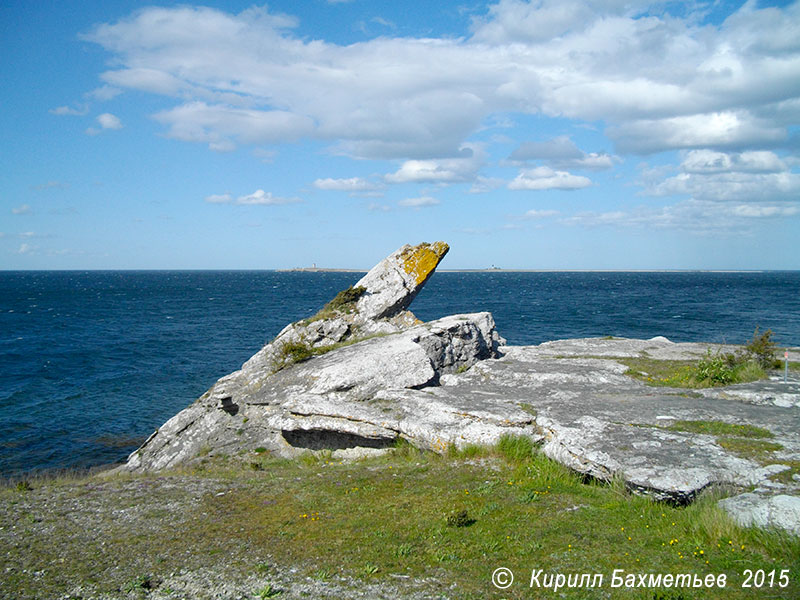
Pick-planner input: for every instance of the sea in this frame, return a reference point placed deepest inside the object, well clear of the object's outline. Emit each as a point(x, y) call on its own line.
point(92, 362)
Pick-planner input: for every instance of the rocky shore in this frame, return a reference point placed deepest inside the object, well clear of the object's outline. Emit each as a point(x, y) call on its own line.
point(365, 373)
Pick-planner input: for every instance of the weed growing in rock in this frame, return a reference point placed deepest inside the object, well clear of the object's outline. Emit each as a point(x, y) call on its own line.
point(343, 303)
point(268, 591)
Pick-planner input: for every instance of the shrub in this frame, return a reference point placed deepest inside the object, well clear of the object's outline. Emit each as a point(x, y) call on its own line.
point(717, 368)
point(343, 302)
point(762, 349)
point(295, 352)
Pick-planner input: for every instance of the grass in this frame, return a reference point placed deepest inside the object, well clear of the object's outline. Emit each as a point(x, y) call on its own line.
point(384, 520)
point(758, 450)
point(290, 353)
point(750, 362)
point(746, 441)
point(721, 428)
point(712, 370)
point(344, 302)
point(787, 475)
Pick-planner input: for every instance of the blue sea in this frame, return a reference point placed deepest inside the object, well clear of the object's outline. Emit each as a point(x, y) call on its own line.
point(92, 362)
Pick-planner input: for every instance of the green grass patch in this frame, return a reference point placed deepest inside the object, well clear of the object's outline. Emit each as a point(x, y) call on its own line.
point(660, 373)
point(409, 518)
point(787, 476)
point(757, 450)
point(750, 363)
point(746, 441)
point(710, 371)
point(721, 428)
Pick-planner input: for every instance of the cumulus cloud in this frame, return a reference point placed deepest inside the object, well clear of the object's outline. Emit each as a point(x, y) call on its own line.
point(259, 197)
point(562, 153)
point(658, 81)
point(545, 178)
point(106, 121)
point(755, 176)
point(109, 121)
point(418, 202)
point(443, 170)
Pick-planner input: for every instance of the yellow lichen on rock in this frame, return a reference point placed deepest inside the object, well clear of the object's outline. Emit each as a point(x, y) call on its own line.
point(420, 261)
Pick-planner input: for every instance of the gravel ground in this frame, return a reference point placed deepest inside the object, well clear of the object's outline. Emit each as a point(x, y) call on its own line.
point(42, 529)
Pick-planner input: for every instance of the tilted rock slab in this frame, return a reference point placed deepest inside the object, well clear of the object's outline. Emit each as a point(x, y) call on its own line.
point(365, 395)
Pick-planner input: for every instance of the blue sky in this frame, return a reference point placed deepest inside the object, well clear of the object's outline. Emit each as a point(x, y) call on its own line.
point(553, 134)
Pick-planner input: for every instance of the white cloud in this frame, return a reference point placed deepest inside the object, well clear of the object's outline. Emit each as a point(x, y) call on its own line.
point(659, 81)
point(352, 184)
point(443, 170)
point(82, 110)
point(259, 197)
point(264, 198)
point(22, 209)
point(106, 121)
point(419, 202)
point(109, 121)
point(562, 153)
point(728, 129)
point(27, 249)
point(754, 211)
point(220, 126)
point(755, 176)
point(545, 178)
point(709, 161)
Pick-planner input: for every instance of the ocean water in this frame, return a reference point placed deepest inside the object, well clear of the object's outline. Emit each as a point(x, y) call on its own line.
point(92, 362)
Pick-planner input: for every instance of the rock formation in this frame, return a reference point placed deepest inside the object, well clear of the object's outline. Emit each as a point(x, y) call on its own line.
point(364, 372)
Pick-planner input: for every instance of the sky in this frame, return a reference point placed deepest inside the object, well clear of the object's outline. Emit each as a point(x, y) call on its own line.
point(550, 134)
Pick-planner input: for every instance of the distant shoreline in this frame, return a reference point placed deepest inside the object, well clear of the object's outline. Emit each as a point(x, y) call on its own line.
point(490, 270)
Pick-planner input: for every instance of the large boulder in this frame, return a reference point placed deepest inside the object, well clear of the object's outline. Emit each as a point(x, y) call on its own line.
point(365, 395)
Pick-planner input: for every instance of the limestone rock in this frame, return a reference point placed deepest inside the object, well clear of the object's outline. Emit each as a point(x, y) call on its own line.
point(750, 509)
point(392, 284)
point(364, 395)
